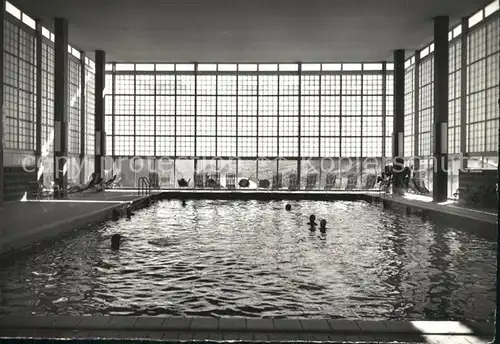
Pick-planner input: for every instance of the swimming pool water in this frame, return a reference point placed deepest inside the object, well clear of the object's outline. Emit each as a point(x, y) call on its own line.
point(254, 259)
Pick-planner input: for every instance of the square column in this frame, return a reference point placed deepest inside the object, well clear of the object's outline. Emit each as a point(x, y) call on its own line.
point(399, 104)
point(83, 114)
point(399, 116)
point(61, 104)
point(464, 42)
point(441, 83)
point(38, 131)
point(100, 129)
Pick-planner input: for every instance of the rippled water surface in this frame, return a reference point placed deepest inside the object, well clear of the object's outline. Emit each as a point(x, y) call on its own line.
point(254, 259)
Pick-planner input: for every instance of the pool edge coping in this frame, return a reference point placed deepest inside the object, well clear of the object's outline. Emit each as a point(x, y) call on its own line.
point(271, 325)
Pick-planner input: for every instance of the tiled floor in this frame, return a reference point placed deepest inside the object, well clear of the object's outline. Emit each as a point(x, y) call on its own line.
point(279, 330)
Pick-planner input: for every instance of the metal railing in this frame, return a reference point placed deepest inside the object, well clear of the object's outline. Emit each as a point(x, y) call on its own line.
point(143, 186)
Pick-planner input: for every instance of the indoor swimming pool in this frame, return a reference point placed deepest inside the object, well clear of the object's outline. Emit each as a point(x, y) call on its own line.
point(254, 259)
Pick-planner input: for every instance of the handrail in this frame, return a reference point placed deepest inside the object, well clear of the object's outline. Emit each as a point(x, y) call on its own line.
point(143, 186)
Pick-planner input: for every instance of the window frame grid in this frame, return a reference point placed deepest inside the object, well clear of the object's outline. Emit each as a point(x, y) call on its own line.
point(255, 103)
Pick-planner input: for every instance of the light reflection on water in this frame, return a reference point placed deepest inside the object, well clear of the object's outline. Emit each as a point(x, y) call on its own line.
point(254, 259)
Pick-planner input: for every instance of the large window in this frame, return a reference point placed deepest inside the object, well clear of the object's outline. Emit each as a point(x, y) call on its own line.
point(89, 107)
point(426, 106)
point(21, 98)
point(472, 100)
point(47, 97)
point(409, 101)
point(249, 111)
point(19, 86)
point(74, 105)
point(482, 88)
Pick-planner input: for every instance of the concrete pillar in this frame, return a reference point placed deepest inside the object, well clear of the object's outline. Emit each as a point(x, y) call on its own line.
point(441, 84)
point(463, 91)
point(399, 104)
point(83, 115)
point(384, 114)
point(38, 131)
point(2, 17)
point(416, 116)
point(61, 103)
point(299, 141)
point(497, 321)
point(100, 129)
point(399, 116)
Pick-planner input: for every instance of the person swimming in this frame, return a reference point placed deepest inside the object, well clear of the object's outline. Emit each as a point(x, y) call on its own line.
point(115, 241)
point(183, 203)
point(288, 207)
point(322, 226)
point(312, 223)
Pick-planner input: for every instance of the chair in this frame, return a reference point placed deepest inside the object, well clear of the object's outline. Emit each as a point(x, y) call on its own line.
point(117, 182)
point(108, 183)
point(371, 180)
point(292, 182)
point(412, 187)
point(97, 186)
point(154, 180)
point(165, 181)
point(34, 190)
point(198, 181)
point(183, 183)
point(330, 181)
point(244, 183)
point(230, 180)
point(352, 180)
point(460, 194)
point(81, 188)
point(420, 186)
point(277, 181)
point(264, 183)
point(213, 181)
point(312, 179)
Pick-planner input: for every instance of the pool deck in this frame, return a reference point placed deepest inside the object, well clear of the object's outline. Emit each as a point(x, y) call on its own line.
point(481, 221)
point(243, 329)
point(23, 224)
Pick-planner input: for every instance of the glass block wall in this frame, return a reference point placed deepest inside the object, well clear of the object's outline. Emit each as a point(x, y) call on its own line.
point(482, 88)
point(47, 97)
point(19, 86)
point(409, 101)
point(20, 97)
point(473, 121)
point(245, 112)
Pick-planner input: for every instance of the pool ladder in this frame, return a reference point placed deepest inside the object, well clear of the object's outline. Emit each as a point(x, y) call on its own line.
point(143, 186)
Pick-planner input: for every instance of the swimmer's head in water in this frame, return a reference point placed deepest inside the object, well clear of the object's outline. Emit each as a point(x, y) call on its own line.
point(323, 223)
point(115, 241)
point(288, 207)
point(312, 219)
point(183, 203)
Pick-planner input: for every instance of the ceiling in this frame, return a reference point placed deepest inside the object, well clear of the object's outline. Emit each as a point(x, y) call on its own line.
point(248, 30)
